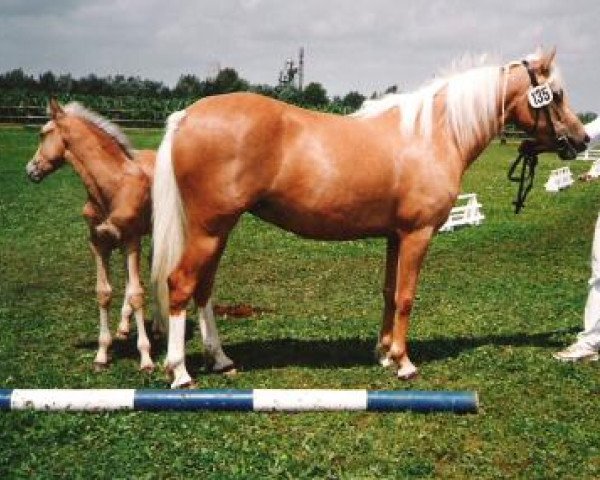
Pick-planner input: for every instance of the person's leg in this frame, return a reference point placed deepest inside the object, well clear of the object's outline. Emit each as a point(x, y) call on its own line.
point(588, 341)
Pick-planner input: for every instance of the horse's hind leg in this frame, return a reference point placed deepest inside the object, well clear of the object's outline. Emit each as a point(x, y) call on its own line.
point(216, 360)
point(104, 296)
point(198, 264)
point(135, 298)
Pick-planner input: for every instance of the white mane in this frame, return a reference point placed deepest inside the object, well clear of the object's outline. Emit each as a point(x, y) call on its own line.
point(473, 87)
point(78, 110)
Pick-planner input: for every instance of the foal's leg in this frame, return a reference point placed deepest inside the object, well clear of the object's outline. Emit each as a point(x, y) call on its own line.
point(104, 295)
point(135, 297)
point(198, 263)
point(413, 247)
point(389, 303)
point(126, 312)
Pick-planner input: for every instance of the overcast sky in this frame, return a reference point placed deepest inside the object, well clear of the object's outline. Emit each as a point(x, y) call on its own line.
point(364, 45)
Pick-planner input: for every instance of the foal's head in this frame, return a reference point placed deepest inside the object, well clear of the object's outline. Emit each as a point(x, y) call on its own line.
point(69, 126)
point(542, 109)
point(50, 154)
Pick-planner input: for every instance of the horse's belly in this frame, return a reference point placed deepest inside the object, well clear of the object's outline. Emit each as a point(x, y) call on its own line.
point(327, 224)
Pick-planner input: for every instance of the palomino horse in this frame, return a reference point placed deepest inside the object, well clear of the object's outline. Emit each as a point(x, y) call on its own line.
point(118, 213)
point(391, 170)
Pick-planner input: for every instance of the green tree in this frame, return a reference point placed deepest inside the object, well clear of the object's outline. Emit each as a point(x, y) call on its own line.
point(48, 83)
point(587, 117)
point(188, 86)
point(290, 94)
point(315, 95)
point(228, 80)
point(353, 100)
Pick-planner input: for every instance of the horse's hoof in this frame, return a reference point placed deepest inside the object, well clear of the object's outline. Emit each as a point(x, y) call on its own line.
point(230, 372)
point(100, 367)
point(227, 369)
point(189, 385)
point(182, 381)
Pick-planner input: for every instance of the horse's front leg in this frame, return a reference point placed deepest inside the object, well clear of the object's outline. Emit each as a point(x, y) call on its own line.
point(413, 246)
point(104, 295)
point(389, 303)
point(135, 297)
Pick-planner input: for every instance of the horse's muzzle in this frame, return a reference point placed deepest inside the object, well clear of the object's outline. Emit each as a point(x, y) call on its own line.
point(33, 173)
point(567, 149)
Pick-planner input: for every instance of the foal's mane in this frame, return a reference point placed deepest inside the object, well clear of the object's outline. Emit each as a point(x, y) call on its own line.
point(109, 128)
point(473, 89)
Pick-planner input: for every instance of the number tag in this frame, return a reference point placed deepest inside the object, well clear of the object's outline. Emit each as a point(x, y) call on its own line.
point(540, 96)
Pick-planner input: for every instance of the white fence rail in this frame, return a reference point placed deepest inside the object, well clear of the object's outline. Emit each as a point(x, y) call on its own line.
point(559, 179)
point(590, 154)
point(467, 213)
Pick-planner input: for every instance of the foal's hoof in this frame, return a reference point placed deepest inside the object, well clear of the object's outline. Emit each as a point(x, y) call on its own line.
point(386, 362)
point(409, 372)
point(147, 368)
point(122, 335)
point(107, 230)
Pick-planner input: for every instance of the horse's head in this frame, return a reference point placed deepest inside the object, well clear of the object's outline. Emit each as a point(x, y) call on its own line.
point(542, 109)
point(50, 154)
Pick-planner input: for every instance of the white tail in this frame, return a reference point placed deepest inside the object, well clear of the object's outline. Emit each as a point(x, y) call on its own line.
point(168, 231)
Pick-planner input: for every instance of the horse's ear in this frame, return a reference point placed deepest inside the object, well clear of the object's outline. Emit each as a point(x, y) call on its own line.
point(547, 60)
point(55, 110)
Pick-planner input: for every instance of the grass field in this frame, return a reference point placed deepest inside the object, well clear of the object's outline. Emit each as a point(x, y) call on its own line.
point(494, 303)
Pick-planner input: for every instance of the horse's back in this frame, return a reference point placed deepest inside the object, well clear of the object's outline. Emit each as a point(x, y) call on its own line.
point(311, 173)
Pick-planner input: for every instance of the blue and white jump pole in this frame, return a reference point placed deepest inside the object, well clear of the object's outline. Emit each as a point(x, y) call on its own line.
point(257, 400)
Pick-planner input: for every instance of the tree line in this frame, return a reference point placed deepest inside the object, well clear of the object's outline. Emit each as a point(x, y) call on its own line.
point(143, 96)
point(189, 86)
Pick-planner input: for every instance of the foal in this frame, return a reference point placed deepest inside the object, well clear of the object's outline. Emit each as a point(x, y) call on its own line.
point(118, 212)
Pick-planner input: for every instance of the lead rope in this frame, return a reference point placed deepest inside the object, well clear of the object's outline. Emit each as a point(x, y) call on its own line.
point(528, 160)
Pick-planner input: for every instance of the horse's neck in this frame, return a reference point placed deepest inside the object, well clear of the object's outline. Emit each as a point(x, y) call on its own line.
point(466, 153)
point(99, 164)
point(472, 152)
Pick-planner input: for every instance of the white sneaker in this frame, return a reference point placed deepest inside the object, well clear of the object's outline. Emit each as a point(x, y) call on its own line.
point(577, 353)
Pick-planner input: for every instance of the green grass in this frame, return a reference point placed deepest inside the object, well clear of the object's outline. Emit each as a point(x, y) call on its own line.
point(494, 303)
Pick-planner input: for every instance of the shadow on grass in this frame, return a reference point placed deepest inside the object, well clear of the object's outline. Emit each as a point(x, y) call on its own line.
point(339, 353)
